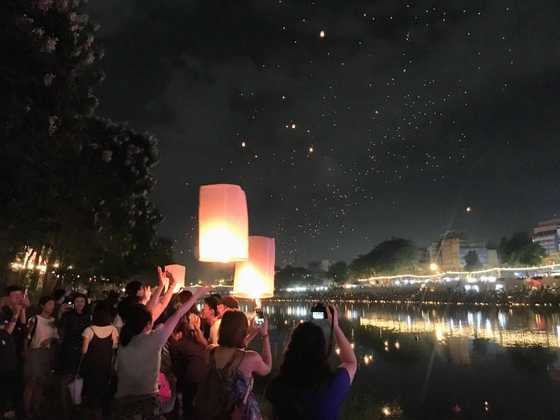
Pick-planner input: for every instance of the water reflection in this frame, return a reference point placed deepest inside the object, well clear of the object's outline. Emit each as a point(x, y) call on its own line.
point(443, 363)
point(520, 327)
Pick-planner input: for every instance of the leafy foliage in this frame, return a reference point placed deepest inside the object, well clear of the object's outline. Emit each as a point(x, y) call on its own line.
point(389, 257)
point(339, 272)
point(75, 187)
point(520, 250)
point(290, 275)
point(472, 261)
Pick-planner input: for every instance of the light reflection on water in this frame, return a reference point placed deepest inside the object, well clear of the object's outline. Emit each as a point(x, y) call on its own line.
point(518, 327)
point(442, 363)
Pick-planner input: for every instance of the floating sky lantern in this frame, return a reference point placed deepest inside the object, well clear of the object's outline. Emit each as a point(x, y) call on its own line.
point(223, 224)
point(255, 278)
point(179, 274)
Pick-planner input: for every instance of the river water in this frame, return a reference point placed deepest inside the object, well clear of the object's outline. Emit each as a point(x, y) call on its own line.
point(443, 362)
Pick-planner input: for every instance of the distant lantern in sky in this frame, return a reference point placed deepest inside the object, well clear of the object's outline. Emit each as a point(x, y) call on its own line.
point(311, 149)
point(243, 144)
point(322, 34)
point(254, 278)
point(468, 209)
point(223, 224)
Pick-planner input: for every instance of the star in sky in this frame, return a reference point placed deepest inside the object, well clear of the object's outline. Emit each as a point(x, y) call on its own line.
point(371, 119)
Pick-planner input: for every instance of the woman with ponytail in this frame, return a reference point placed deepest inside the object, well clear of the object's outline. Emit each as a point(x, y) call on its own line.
point(139, 360)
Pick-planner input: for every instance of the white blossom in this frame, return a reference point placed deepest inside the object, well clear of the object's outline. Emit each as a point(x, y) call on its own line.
point(44, 5)
point(48, 79)
point(50, 44)
point(107, 156)
point(62, 5)
point(90, 58)
point(38, 32)
point(53, 124)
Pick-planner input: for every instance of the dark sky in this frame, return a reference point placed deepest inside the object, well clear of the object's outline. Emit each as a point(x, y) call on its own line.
point(405, 114)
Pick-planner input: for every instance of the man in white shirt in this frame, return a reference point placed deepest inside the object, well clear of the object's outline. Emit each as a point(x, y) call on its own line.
point(227, 303)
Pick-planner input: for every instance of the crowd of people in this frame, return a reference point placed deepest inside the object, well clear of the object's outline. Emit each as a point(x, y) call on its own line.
point(151, 354)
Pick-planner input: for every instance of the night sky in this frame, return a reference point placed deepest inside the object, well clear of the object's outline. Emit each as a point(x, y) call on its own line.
point(346, 122)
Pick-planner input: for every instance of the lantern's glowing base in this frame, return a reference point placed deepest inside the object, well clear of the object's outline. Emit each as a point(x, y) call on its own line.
point(222, 243)
point(249, 284)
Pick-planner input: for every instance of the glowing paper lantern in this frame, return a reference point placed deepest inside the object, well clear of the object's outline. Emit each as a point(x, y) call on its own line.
point(223, 224)
point(178, 272)
point(255, 278)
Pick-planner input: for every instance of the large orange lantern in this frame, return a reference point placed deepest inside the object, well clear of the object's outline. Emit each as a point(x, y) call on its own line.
point(254, 278)
point(223, 224)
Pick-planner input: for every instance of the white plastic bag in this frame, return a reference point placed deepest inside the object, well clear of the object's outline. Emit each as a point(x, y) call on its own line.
point(75, 387)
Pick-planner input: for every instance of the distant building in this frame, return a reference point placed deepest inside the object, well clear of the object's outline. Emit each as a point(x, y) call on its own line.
point(547, 235)
point(449, 252)
point(488, 257)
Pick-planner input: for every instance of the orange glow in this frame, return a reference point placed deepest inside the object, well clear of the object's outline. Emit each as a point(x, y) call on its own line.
point(179, 274)
point(223, 224)
point(255, 278)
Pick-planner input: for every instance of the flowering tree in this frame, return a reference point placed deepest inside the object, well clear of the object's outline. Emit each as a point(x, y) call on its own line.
point(117, 162)
point(73, 186)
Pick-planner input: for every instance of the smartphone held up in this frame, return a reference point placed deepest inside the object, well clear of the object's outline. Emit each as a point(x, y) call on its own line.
point(259, 317)
point(319, 312)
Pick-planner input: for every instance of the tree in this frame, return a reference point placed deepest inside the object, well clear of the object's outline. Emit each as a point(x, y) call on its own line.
point(393, 256)
point(339, 272)
point(289, 276)
point(48, 71)
point(75, 188)
point(520, 250)
point(116, 180)
point(472, 261)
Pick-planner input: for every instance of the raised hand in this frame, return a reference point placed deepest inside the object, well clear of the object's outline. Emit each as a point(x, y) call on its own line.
point(332, 315)
point(263, 329)
point(162, 278)
point(172, 280)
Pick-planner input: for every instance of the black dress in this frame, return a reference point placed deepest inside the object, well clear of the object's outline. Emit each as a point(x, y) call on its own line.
point(97, 370)
point(72, 326)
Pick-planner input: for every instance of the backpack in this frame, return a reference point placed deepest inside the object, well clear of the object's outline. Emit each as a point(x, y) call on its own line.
point(217, 397)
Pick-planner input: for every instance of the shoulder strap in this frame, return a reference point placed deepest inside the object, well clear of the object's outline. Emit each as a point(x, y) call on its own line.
point(234, 357)
point(33, 321)
point(243, 353)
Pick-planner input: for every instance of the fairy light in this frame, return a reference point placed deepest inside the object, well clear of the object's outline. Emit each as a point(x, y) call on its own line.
point(460, 273)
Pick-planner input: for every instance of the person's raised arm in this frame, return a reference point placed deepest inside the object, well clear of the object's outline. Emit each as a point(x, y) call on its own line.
point(252, 333)
point(347, 356)
point(160, 306)
point(154, 298)
point(172, 322)
point(263, 363)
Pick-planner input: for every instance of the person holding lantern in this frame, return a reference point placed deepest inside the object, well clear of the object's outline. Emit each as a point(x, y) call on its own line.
point(139, 357)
